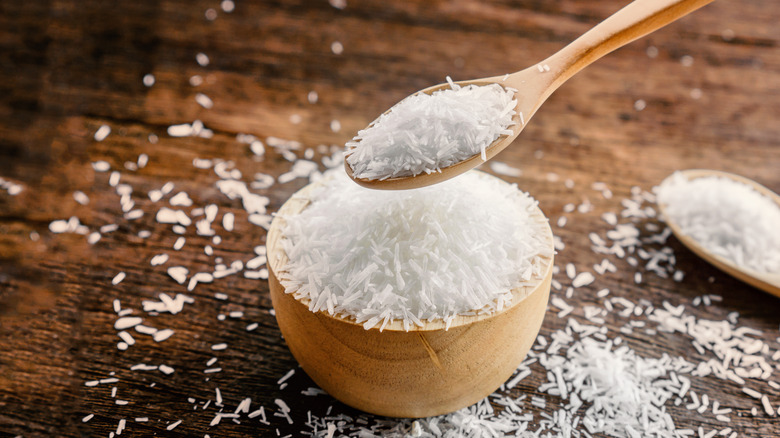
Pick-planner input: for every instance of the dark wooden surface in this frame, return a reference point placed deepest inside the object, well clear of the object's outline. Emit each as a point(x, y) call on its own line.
point(68, 67)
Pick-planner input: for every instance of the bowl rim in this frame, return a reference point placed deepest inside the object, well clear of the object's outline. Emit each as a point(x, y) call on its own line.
point(277, 260)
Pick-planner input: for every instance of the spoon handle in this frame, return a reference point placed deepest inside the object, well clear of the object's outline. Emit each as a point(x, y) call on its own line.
point(634, 21)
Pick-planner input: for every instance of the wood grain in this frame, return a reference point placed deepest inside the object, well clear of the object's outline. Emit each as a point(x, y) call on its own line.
point(70, 66)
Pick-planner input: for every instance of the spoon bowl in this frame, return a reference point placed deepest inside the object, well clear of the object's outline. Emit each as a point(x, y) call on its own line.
point(536, 83)
point(768, 282)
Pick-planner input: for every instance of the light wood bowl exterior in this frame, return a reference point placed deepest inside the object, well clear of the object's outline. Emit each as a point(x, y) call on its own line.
point(423, 372)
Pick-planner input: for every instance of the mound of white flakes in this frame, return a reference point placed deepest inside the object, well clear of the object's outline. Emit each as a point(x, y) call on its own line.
point(727, 217)
point(428, 253)
point(426, 132)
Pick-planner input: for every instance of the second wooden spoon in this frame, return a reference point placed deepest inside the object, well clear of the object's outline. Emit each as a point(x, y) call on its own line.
point(766, 281)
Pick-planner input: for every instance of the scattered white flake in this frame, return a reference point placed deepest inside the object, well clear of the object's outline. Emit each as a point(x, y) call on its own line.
point(261, 220)
point(312, 97)
point(118, 278)
point(134, 214)
point(583, 279)
point(93, 238)
point(335, 125)
point(571, 271)
point(178, 273)
point(87, 418)
point(173, 425)
point(58, 226)
point(165, 369)
point(110, 228)
point(501, 168)
point(159, 259)
point(686, 60)
point(181, 199)
point(652, 52)
point(228, 221)
point(127, 322)
point(183, 130)
point(155, 195)
point(81, 197)
point(338, 4)
point(179, 244)
point(640, 104)
point(161, 335)
point(202, 59)
point(101, 166)
point(251, 327)
point(204, 101)
point(767, 406)
point(337, 48)
point(196, 80)
point(126, 337)
point(256, 262)
point(227, 5)
point(102, 132)
point(255, 275)
point(257, 147)
point(286, 376)
point(148, 79)
point(218, 347)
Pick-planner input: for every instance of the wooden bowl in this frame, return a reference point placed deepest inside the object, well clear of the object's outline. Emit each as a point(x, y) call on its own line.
point(422, 372)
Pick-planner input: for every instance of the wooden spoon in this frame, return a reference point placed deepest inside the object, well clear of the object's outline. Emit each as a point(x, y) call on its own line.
point(765, 281)
point(536, 83)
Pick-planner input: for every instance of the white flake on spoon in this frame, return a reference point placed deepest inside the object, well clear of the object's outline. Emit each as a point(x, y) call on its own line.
point(204, 101)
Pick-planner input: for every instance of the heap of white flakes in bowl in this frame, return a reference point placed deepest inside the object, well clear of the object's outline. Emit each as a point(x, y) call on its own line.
point(414, 255)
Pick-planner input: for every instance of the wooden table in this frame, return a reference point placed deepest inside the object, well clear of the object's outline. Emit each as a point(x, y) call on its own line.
point(702, 93)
